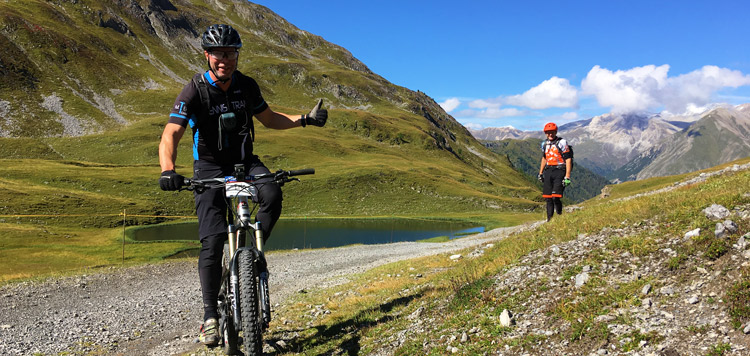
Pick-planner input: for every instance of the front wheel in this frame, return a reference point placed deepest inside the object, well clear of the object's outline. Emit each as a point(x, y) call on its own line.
point(228, 330)
point(252, 338)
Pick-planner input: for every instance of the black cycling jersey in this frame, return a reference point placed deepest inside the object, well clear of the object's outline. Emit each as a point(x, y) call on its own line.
point(212, 141)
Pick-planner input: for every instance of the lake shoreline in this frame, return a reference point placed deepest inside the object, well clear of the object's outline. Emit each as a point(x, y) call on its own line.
point(291, 234)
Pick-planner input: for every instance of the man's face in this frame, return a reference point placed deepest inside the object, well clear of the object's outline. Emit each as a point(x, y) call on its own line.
point(223, 61)
point(551, 134)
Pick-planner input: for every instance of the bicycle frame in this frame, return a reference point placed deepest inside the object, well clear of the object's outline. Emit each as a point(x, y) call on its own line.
point(239, 194)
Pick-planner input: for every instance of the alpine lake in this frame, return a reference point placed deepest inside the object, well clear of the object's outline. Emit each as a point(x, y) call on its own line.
point(289, 234)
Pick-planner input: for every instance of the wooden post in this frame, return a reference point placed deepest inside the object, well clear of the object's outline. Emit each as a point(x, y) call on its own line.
point(123, 236)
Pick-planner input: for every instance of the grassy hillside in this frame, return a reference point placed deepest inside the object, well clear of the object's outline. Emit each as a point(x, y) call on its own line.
point(437, 305)
point(69, 192)
point(524, 156)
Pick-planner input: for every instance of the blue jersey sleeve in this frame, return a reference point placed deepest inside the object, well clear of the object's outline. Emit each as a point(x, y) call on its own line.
point(184, 106)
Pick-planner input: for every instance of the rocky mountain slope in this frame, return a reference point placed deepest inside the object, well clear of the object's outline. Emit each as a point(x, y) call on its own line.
point(58, 55)
point(502, 133)
point(721, 135)
point(607, 142)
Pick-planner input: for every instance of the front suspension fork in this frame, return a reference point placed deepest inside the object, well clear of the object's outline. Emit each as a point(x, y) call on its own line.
point(260, 261)
point(265, 301)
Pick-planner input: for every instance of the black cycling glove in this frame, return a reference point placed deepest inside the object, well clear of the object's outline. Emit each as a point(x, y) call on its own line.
point(170, 180)
point(316, 117)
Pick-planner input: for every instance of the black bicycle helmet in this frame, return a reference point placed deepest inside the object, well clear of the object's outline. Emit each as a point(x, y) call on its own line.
point(220, 36)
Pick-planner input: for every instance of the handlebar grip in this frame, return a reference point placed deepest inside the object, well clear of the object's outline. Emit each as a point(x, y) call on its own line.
point(301, 172)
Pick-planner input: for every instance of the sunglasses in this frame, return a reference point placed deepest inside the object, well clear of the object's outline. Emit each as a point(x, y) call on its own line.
point(219, 55)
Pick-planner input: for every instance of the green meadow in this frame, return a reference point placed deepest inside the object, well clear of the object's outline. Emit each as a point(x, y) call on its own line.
point(65, 199)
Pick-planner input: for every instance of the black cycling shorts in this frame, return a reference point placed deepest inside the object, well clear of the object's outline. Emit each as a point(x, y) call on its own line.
point(553, 181)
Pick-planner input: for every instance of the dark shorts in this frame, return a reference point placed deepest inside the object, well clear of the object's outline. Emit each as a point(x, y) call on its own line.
point(553, 182)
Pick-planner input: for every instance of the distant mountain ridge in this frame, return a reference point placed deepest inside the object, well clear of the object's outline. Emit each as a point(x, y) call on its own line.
point(720, 136)
point(620, 146)
point(502, 133)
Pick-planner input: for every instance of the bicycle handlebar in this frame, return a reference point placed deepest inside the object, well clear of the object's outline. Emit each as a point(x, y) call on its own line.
point(301, 172)
point(279, 177)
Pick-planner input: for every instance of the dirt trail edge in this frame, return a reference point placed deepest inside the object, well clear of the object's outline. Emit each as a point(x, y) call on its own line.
point(156, 309)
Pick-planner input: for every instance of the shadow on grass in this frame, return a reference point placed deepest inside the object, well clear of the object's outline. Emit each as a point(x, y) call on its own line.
point(343, 337)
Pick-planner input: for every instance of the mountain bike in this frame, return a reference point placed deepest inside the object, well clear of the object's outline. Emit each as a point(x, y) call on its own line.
point(244, 305)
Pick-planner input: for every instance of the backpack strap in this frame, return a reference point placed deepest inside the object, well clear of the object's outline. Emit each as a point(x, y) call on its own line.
point(200, 83)
point(548, 143)
point(248, 100)
point(556, 142)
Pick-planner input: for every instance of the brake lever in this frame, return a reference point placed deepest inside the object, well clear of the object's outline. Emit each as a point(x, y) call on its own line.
point(188, 188)
point(192, 187)
point(283, 180)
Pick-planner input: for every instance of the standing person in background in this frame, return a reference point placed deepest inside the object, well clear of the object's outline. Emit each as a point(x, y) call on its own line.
point(219, 105)
point(554, 172)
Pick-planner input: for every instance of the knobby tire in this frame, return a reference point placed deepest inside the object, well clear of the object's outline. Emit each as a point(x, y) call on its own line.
point(249, 308)
point(230, 338)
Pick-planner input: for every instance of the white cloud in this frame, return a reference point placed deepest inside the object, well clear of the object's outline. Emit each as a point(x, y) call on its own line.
point(495, 113)
point(697, 88)
point(491, 112)
point(485, 103)
point(551, 93)
point(473, 126)
point(650, 87)
point(630, 90)
point(569, 116)
point(450, 104)
point(488, 109)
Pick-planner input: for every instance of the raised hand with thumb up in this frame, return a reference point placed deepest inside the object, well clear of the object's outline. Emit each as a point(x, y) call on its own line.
point(316, 117)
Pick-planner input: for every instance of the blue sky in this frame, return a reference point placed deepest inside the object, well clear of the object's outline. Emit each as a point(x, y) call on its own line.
point(524, 63)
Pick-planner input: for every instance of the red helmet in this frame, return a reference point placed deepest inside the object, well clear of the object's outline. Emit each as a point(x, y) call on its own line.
point(550, 126)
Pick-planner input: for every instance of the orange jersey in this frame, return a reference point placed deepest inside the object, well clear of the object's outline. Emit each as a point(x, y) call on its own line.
point(555, 151)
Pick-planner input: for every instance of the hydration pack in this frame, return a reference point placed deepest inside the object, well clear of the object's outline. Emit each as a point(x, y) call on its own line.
point(226, 122)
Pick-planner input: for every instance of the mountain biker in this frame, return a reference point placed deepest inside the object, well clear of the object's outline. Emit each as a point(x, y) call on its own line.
point(554, 172)
point(219, 104)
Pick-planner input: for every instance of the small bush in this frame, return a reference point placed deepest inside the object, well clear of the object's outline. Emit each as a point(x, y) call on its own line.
point(719, 349)
point(571, 272)
point(471, 293)
point(675, 262)
point(635, 338)
point(716, 249)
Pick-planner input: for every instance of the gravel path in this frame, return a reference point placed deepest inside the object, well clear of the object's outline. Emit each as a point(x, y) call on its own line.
point(156, 309)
